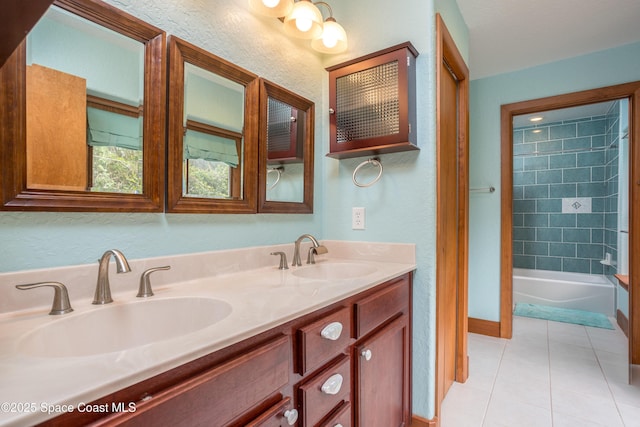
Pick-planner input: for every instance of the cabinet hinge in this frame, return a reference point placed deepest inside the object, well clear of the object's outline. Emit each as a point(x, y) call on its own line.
point(409, 127)
point(408, 61)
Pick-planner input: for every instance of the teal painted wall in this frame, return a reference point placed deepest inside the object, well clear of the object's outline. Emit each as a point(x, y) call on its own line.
point(604, 68)
point(399, 208)
point(227, 29)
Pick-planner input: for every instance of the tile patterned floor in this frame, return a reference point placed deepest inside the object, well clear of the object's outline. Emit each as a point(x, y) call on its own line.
point(549, 374)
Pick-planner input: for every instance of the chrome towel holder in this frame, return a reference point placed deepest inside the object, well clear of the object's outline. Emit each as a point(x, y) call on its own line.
point(278, 171)
point(373, 161)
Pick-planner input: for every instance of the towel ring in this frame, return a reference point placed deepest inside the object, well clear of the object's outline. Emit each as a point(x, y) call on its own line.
point(278, 172)
point(373, 161)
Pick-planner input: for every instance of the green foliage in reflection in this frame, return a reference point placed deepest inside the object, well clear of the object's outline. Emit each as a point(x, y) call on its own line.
point(207, 179)
point(117, 170)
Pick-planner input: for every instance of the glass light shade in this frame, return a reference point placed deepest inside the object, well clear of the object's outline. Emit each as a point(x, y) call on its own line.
point(304, 21)
point(272, 8)
point(333, 38)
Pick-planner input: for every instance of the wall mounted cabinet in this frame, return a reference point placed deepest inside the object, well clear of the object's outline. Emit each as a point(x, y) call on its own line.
point(372, 103)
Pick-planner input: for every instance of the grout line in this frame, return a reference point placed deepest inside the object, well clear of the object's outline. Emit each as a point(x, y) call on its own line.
point(493, 384)
point(604, 374)
point(550, 385)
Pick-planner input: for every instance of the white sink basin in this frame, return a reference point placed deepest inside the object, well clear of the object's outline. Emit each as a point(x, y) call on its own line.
point(113, 328)
point(334, 271)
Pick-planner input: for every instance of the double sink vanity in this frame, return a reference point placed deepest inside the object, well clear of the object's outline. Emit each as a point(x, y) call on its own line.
point(228, 338)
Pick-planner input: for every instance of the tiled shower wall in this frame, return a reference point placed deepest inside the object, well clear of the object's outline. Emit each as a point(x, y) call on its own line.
point(611, 181)
point(564, 160)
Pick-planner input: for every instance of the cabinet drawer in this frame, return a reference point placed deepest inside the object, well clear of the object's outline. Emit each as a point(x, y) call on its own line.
point(323, 339)
point(220, 394)
point(376, 309)
point(316, 403)
point(274, 416)
point(341, 418)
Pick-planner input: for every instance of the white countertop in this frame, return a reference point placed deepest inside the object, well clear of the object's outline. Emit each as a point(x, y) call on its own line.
point(260, 298)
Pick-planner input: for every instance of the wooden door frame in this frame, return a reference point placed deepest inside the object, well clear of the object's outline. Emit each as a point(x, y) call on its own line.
point(630, 91)
point(447, 52)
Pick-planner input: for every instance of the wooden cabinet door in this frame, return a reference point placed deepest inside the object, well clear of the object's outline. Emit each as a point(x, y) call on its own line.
point(219, 395)
point(382, 370)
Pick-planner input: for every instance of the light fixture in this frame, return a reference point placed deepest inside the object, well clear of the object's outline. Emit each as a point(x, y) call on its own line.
point(333, 38)
point(273, 8)
point(536, 119)
point(304, 21)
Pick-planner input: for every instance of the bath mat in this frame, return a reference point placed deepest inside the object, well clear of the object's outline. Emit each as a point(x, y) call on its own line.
point(578, 317)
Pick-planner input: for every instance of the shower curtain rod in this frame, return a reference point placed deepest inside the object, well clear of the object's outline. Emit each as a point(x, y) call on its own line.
point(577, 150)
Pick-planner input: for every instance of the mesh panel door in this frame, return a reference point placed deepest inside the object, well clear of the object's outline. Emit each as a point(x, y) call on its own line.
point(367, 105)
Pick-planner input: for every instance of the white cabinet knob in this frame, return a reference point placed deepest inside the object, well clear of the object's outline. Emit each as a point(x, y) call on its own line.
point(332, 331)
point(333, 384)
point(366, 353)
point(291, 415)
point(338, 425)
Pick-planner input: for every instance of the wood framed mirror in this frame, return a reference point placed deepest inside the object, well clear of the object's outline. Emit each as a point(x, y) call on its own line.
point(286, 151)
point(82, 113)
point(213, 141)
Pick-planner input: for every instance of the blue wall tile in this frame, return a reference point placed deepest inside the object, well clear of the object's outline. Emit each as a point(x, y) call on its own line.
point(549, 176)
point(548, 263)
point(536, 191)
point(576, 265)
point(562, 220)
point(576, 175)
point(536, 163)
point(577, 235)
point(536, 220)
point(543, 235)
point(594, 127)
point(562, 249)
point(563, 131)
point(562, 190)
point(549, 234)
point(536, 248)
point(549, 205)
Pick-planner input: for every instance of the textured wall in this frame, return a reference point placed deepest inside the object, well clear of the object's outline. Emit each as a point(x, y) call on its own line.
point(400, 208)
point(227, 29)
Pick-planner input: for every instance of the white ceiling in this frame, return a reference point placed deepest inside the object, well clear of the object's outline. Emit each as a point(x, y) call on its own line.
point(509, 35)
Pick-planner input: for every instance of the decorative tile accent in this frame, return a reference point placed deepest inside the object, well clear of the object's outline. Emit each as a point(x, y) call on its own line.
point(576, 205)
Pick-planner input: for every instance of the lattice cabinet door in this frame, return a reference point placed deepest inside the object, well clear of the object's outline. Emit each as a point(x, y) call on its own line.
point(372, 103)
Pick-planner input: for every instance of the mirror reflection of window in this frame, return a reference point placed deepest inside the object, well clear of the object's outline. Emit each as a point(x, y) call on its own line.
point(84, 116)
point(212, 142)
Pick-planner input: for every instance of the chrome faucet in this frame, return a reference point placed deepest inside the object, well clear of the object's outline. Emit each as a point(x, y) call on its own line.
point(317, 247)
point(103, 290)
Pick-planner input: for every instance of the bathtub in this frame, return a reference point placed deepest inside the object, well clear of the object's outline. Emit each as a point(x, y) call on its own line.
point(568, 290)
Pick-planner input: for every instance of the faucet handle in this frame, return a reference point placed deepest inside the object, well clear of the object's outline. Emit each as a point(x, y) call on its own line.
point(320, 250)
point(283, 260)
point(145, 290)
point(61, 304)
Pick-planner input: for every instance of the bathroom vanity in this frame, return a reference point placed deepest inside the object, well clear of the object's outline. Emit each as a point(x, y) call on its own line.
point(324, 344)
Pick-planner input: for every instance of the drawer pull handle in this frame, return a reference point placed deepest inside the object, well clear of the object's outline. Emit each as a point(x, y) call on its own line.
point(333, 384)
point(366, 354)
point(332, 331)
point(291, 415)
